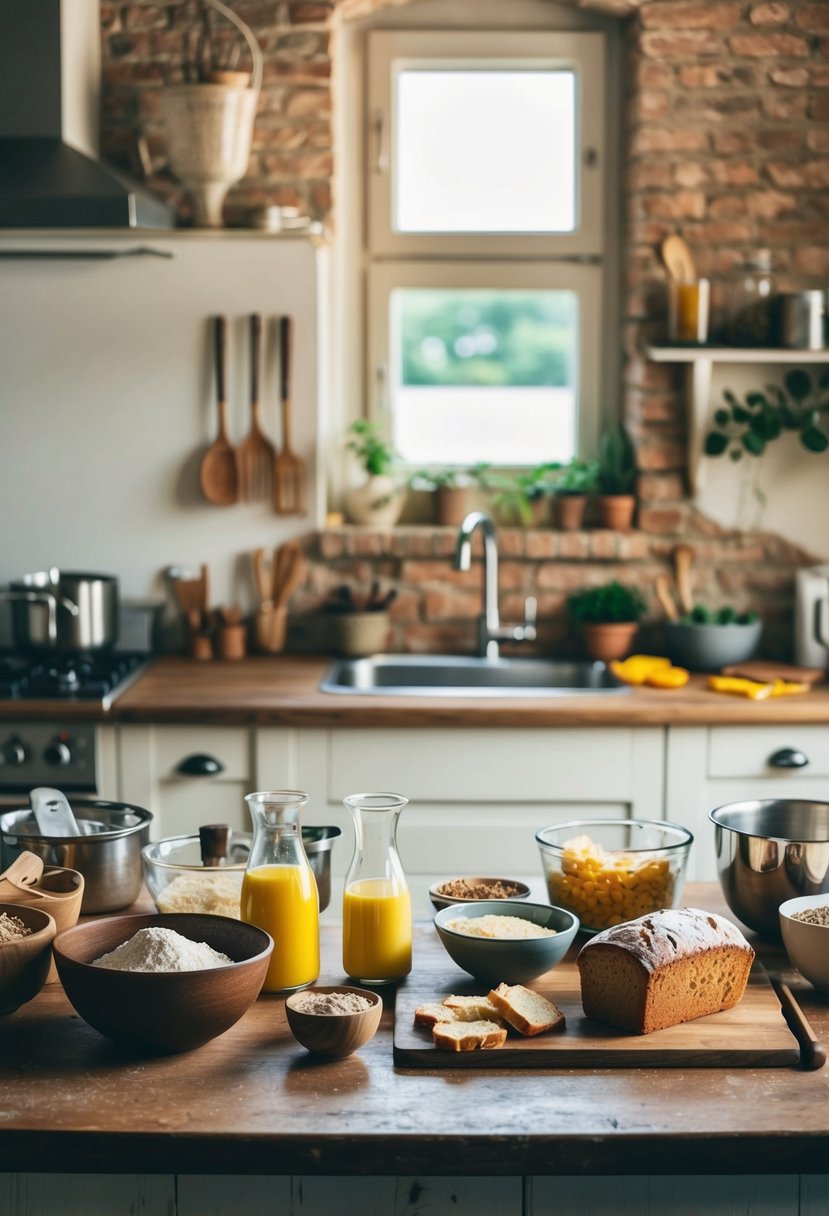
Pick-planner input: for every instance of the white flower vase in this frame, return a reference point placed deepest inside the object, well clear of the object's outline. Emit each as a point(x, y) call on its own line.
point(377, 502)
point(209, 131)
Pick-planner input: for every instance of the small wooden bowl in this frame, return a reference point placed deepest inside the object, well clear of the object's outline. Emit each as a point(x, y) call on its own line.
point(58, 892)
point(25, 962)
point(167, 1011)
point(334, 1034)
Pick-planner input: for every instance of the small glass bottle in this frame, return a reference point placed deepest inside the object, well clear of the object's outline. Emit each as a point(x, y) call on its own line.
point(279, 891)
point(748, 291)
point(377, 907)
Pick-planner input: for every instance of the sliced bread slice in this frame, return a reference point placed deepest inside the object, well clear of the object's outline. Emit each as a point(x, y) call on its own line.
point(473, 1009)
point(468, 1036)
point(528, 1011)
point(428, 1015)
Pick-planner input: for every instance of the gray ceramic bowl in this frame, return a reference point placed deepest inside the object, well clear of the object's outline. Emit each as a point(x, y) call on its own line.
point(508, 961)
point(710, 647)
point(768, 852)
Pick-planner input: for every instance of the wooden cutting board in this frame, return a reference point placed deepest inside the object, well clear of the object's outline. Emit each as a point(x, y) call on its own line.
point(753, 1034)
point(764, 671)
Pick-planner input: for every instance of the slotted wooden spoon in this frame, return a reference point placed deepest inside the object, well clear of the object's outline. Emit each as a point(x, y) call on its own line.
point(289, 469)
point(218, 475)
point(256, 454)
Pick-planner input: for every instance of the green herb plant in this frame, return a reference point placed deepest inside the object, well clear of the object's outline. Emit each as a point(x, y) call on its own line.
point(617, 462)
point(577, 477)
point(438, 479)
point(750, 425)
point(702, 615)
point(376, 455)
point(609, 603)
point(513, 494)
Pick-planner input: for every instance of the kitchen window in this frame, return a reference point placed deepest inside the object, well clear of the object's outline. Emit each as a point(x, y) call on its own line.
point(485, 199)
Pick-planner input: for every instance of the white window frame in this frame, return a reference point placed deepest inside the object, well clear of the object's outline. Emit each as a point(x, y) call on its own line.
point(583, 53)
point(584, 280)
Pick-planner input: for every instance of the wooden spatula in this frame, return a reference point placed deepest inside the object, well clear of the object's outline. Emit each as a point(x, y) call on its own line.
point(256, 453)
point(218, 475)
point(289, 470)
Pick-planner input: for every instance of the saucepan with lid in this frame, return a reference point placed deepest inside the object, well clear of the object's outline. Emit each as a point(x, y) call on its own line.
point(62, 611)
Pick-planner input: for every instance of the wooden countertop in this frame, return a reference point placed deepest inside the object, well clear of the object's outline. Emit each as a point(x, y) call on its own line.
point(285, 691)
point(253, 1101)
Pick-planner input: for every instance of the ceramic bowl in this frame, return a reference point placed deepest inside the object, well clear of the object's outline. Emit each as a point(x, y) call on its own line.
point(769, 851)
point(163, 1011)
point(807, 945)
point(502, 960)
point(609, 870)
point(25, 962)
point(710, 647)
point(333, 1034)
point(443, 901)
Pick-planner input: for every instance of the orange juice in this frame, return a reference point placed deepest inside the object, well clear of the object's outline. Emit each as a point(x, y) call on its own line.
point(283, 900)
point(377, 930)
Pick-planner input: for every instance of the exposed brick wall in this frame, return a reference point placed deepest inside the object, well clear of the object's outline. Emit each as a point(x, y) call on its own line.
point(726, 141)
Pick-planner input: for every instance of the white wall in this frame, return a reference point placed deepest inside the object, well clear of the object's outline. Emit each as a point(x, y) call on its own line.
point(107, 403)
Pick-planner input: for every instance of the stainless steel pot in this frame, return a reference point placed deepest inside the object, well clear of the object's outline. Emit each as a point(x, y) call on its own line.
point(107, 853)
point(64, 611)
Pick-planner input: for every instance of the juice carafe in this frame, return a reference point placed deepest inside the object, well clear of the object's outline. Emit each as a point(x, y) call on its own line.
point(279, 891)
point(377, 907)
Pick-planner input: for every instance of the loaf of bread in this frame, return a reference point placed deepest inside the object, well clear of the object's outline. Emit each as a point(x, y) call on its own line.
point(468, 1036)
point(526, 1011)
point(668, 967)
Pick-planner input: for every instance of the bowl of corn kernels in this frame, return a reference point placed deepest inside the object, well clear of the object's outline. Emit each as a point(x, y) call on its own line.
point(608, 871)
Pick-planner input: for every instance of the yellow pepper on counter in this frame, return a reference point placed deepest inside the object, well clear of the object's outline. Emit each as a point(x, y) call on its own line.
point(785, 688)
point(739, 686)
point(649, 669)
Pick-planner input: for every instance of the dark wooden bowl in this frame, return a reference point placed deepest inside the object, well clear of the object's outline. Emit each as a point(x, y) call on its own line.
point(334, 1034)
point(25, 962)
point(163, 1011)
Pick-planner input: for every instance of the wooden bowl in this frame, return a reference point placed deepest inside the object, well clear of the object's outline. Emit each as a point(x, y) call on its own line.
point(334, 1034)
point(166, 1011)
point(24, 963)
point(58, 892)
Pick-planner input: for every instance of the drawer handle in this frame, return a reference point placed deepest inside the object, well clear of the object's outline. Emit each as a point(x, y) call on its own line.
point(200, 765)
point(788, 757)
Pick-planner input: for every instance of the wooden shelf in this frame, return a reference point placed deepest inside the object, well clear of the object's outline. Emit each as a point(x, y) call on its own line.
point(699, 364)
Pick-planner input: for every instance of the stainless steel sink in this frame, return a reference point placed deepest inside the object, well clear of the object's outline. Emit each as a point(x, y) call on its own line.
point(437, 675)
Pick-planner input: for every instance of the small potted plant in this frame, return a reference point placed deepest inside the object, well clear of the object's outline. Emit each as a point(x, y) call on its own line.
point(518, 499)
point(572, 489)
point(616, 480)
point(609, 617)
point(706, 639)
point(451, 489)
point(379, 500)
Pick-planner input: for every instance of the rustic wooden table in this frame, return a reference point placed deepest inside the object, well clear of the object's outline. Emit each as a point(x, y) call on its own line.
point(253, 1102)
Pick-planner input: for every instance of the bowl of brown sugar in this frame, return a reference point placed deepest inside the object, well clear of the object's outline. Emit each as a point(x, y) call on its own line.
point(333, 1021)
point(469, 890)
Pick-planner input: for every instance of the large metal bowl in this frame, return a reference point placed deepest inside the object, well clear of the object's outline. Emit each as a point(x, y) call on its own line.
point(769, 851)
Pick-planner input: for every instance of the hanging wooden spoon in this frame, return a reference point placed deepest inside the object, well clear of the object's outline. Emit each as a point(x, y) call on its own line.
point(219, 474)
point(683, 560)
point(664, 593)
point(678, 259)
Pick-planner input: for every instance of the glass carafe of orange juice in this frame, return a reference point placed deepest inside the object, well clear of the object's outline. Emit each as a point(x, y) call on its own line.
point(279, 891)
point(377, 907)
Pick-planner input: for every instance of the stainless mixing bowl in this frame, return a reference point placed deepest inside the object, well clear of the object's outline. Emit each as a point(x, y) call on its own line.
point(769, 851)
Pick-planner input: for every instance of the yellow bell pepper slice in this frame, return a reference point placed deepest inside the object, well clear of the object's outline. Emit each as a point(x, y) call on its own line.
point(637, 667)
point(738, 686)
point(668, 677)
point(785, 688)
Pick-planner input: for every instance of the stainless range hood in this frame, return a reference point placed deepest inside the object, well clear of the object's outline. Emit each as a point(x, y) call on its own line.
point(50, 176)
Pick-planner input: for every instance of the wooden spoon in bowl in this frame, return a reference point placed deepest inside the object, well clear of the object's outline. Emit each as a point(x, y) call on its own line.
point(219, 475)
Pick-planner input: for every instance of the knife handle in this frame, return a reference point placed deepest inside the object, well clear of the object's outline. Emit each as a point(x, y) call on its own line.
point(812, 1051)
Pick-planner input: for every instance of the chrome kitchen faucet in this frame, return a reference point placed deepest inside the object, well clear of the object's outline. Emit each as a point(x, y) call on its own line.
point(490, 629)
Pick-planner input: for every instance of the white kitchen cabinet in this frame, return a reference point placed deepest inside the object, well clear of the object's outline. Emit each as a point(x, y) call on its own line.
point(152, 773)
point(707, 767)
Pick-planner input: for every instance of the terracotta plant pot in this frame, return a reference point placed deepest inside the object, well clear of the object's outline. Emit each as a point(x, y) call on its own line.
point(377, 502)
point(568, 511)
point(609, 640)
point(451, 505)
point(616, 511)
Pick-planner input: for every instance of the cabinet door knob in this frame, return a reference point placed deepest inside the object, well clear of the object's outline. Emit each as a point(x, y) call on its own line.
point(200, 765)
point(788, 757)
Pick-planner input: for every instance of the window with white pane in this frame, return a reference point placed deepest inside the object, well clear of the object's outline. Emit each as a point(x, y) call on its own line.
point(485, 237)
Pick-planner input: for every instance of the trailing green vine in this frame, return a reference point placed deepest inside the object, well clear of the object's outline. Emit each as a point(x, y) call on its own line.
point(752, 424)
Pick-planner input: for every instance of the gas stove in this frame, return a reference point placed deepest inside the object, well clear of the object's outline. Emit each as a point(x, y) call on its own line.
point(95, 679)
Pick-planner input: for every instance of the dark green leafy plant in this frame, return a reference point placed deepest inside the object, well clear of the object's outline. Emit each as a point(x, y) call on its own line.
point(376, 455)
point(607, 604)
point(702, 615)
point(752, 424)
point(577, 477)
point(617, 462)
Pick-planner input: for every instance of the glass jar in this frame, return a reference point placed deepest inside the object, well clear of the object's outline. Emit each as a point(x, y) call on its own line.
point(747, 317)
point(377, 907)
point(279, 892)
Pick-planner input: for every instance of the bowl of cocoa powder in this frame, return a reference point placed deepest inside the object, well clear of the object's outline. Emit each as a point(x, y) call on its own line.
point(470, 890)
point(333, 1022)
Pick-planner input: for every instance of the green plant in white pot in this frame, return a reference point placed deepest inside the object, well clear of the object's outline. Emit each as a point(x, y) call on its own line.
point(378, 501)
